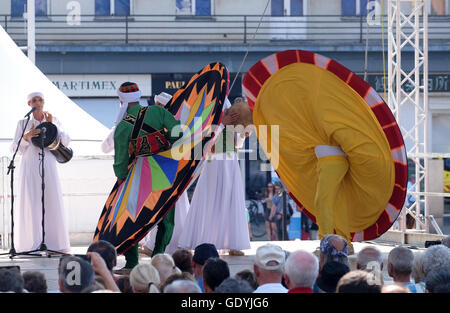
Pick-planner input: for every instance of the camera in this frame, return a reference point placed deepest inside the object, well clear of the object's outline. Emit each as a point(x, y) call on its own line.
point(430, 243)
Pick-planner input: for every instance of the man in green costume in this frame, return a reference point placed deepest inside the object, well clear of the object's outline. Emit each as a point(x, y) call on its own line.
point(138, 121)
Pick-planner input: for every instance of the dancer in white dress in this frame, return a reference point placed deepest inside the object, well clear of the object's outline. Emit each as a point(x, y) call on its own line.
point(217, 214)
point(28, 215)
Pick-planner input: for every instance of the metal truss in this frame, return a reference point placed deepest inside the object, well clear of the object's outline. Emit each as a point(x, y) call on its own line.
point(408, 86)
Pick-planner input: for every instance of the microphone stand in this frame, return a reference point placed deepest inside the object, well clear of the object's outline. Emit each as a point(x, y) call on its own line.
point(43, 246)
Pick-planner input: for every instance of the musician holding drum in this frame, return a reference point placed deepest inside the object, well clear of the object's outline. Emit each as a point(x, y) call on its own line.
point(28, 215)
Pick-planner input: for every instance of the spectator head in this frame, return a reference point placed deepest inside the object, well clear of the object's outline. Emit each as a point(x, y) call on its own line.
point(417, 270)
point(215, 271)
point(34, 282)
point(178, 276)
point(438, 280)
point(202, 253)
point(182, 286)
point(331, 273)
point(248, 276)
point(358, 282)
point(269, 264)
point(301, 269)
point(400, 264)
point(75, 274)
point(165, 265)
point(437, 256)
point(333, 248)
point(446, 241)
point(183, 260)
point(124, 284)
point(394, 288)
point(232, 285)
point(106, 251)
point(144, 278)
point(11, 280)
point(368, 255)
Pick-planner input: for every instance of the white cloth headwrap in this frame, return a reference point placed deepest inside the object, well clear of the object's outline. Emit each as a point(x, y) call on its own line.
point(126, 97)
point(35, 94)
point(163, 98)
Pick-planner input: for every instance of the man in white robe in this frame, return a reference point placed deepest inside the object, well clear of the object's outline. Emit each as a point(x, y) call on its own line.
point(28, 215)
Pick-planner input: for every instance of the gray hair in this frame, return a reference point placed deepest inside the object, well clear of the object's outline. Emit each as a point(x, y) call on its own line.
point(446, 241)
point(182, 286)
point(417, 270)
point(438, 278)
point(436, 257)
point(367, 255)
point(302, 268)
point(402, 260)
point(165, 265)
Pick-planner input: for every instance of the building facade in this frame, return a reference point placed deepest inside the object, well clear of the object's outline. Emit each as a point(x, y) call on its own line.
point(88, 47)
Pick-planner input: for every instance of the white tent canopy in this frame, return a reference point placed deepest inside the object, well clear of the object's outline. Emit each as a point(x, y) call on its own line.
point(19, 77)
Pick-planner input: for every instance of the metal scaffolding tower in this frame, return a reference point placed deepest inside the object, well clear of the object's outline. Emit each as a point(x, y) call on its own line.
point(408, 86)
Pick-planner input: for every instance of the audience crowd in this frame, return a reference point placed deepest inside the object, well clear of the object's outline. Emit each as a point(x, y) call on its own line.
point(274, 271)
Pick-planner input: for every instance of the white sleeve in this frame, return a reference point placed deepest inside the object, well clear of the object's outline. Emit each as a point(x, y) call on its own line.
point(24, 143)
point(239, 140)
point(108, 143)
point(226, 106)
point(64, 137)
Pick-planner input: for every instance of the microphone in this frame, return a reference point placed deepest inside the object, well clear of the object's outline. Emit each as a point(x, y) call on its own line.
point(31, 111)
point(43, 130)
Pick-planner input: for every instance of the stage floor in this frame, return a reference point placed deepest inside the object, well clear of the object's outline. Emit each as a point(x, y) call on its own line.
point(49, 266)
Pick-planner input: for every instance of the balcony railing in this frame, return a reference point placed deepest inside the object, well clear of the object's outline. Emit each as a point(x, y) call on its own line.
point(240, 29)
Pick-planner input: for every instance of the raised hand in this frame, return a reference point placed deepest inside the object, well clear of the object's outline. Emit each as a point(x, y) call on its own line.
point(48, 117)
point(33, 132)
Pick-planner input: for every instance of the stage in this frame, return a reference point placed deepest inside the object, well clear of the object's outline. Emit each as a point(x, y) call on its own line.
point(49, 266)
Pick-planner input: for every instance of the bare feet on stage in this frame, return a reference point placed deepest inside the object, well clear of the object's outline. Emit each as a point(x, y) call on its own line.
point(235, 252)
point(145, 250)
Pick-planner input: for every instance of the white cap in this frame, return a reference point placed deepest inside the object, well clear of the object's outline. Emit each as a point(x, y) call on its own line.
point(35, 94)
point(163, 98)
point(270, 257)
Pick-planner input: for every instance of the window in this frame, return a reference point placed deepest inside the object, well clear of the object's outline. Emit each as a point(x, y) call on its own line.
point(287, 7)
point(112, 7)
point(18, 7)
point(354, 7)
point(194, 7)
point(438, 7)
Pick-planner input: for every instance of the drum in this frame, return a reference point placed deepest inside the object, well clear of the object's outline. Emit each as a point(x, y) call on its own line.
point(52, 141)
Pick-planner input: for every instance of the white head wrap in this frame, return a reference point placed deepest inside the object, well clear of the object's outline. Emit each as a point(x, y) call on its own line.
point(163, 98)
point(126, 97)
point(35, 94)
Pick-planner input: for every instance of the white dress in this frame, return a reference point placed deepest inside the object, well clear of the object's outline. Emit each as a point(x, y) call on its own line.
point(217, 213)
point(181, 211)
point(28, 212)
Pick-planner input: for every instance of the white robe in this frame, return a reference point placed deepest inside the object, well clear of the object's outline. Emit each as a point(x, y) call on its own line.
point(181, 211)
point(28, 213)
point(217, 214)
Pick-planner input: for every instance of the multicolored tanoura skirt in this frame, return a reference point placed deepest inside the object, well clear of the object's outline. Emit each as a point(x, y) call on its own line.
point(357, 187)
point(154, 183)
